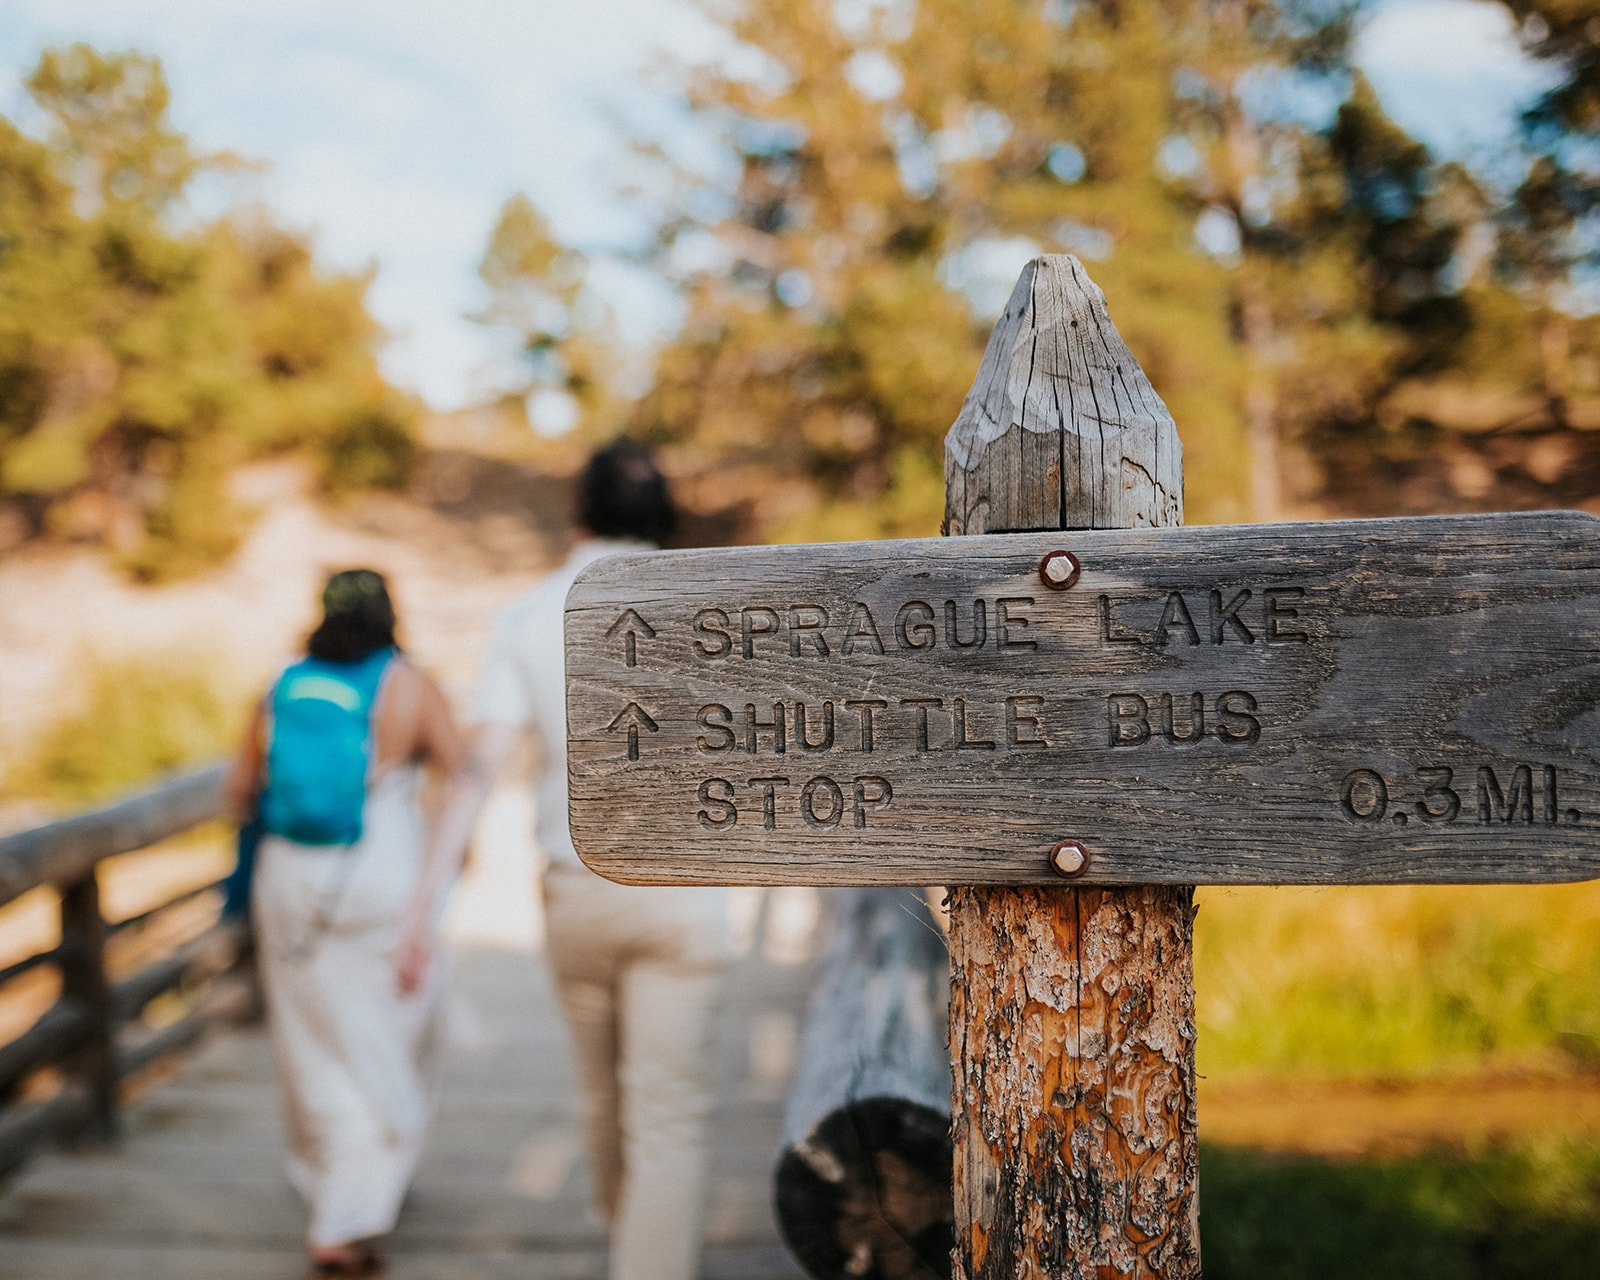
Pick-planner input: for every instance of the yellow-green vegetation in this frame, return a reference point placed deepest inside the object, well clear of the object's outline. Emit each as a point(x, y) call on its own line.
point(538, 290)
point(1397, 981)
point(125, 722)
point(1525, 1212)
point(1335, 316)
point(141, 357)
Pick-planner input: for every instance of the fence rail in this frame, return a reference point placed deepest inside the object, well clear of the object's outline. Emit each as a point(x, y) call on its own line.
point(94, 1037)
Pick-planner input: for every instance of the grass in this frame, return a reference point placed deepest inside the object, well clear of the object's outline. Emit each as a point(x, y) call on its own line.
point(1398, 982)
point(125, 722)
point(1402, 983)
point(1528, 1211)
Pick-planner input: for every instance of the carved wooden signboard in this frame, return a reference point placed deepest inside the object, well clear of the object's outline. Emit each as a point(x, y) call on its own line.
point(1404, 700)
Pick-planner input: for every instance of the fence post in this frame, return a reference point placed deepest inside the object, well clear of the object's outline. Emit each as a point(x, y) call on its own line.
point(84, 982)
point(1072, 1010)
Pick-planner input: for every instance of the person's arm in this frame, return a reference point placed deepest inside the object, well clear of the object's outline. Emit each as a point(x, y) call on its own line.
point(502, 711)
point(487, 749)
point(439, 743)
point(243, 783)
point(442, 747)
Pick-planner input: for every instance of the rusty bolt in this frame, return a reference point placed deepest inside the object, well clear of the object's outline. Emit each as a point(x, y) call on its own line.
point(1059, 570)
point(1068, 857)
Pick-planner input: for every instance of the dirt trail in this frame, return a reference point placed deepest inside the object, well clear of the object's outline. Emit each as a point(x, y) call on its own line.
point(1347, 1119)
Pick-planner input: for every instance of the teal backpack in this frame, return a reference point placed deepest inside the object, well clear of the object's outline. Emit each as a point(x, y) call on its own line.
point(320, 751)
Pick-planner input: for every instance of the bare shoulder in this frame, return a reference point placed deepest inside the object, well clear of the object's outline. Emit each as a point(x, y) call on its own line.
point(413, 681)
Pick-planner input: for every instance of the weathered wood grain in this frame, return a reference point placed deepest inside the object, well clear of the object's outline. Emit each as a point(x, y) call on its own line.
point(862, 1187)
point(1072, 1032)
point(1061, 428)
point(1072, 1010)
point(1405, 700)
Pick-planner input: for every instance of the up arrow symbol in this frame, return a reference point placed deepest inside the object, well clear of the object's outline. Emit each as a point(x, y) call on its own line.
point(632, 717)
point(631, 626)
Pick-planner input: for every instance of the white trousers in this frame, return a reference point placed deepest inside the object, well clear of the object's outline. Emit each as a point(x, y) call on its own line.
point(355, 1057)
point(639, 973)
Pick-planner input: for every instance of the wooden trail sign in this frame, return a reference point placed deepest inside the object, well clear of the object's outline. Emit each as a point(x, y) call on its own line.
point(1364, 701)
point(1070, 728)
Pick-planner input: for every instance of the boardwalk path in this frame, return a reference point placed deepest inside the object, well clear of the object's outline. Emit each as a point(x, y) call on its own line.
point(195, 1190)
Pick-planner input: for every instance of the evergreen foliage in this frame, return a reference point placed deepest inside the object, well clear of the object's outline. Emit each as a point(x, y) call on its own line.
point(1549, 244)
point(142, 357)
point(538, 291)
point(1312, 292)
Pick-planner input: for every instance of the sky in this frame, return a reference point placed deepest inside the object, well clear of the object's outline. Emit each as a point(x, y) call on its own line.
point(393, 130)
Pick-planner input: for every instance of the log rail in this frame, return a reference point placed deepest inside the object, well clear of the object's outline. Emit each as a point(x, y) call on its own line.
point(862, 1186)
point(94, 1037)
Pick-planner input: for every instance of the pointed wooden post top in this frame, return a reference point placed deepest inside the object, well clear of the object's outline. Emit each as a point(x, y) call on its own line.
point(1061, 428)
point(1071, 1010)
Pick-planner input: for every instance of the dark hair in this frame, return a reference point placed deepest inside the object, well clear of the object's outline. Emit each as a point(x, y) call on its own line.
point(357, 618)
point(622, 494)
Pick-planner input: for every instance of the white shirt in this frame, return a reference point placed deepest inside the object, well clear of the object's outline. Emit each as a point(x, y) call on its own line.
point(523, 683)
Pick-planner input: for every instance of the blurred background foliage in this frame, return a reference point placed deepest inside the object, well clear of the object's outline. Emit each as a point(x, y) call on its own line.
point(1399, 982)
point(125, 721)
point(1340, 323)
point(1528, 1210)
point(144, 355)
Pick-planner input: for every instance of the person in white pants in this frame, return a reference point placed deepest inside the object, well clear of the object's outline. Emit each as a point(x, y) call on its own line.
point(639, 971)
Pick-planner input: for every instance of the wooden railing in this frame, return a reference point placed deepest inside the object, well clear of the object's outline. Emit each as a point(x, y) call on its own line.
point(61, 1078)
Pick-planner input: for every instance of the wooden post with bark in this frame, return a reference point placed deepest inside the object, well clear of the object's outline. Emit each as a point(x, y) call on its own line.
point(1072, 1010)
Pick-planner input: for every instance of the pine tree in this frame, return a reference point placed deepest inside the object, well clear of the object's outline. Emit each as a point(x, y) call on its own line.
point(878, 150)
point(1283, 258)
point(142, 359)
point(538, 291)
point(1276, 274)
point(1550, 229)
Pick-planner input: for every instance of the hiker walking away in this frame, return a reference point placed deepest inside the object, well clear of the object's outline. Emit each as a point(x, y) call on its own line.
point(331, 766)
point(638, 970)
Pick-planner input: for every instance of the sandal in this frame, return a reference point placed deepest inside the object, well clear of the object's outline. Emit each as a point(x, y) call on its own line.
point(350, 1261)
